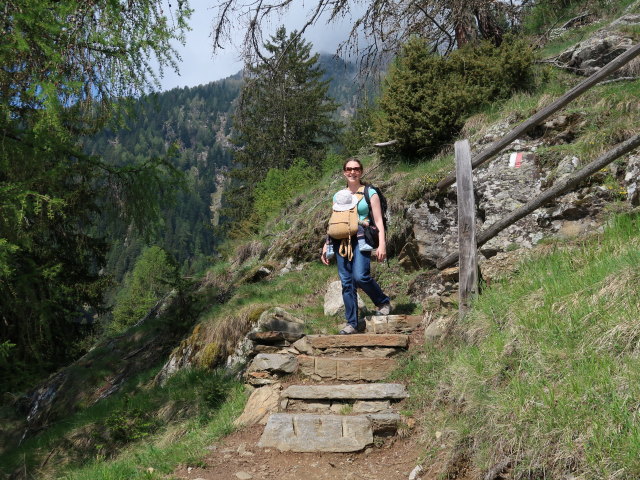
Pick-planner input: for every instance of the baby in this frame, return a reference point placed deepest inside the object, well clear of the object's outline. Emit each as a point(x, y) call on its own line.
point(342, 201)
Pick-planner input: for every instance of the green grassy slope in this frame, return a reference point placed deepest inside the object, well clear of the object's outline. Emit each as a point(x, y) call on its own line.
point(544, 371)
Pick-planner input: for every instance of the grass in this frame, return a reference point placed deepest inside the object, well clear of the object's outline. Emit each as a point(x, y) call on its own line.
point(545, 370)
point(144, 425)
point(182, 444)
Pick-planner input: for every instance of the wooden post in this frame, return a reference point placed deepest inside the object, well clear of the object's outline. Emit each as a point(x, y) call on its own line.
point(534, 120)
point(468, 276)
point(558, 189)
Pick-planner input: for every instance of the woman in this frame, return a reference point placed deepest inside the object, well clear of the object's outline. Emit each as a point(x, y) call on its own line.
point(356, 272)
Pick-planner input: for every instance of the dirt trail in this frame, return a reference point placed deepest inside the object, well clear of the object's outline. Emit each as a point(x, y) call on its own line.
point(237, 454)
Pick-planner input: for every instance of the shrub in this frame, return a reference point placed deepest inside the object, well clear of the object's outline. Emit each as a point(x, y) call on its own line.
point(428, 97)
point(280, 186)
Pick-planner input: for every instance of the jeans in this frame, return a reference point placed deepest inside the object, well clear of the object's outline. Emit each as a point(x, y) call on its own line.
point(353, 274)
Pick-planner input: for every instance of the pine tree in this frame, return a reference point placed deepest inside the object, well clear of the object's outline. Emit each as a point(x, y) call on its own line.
point(284, 112)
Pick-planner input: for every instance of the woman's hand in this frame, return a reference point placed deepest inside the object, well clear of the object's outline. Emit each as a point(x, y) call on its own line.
point(381, 253)
point(323, 257)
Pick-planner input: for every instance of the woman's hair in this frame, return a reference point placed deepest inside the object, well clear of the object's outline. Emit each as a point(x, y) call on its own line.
point(352, 159)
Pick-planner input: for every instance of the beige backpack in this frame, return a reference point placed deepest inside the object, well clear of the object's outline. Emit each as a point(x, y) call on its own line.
point(343, 224)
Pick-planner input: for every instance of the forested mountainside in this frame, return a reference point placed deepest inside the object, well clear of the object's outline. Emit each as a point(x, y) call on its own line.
point(192, 126)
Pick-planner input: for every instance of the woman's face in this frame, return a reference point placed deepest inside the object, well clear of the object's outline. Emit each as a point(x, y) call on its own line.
point(352, 171)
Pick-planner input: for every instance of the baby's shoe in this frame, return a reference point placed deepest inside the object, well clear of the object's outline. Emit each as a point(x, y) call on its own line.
point(363, 246)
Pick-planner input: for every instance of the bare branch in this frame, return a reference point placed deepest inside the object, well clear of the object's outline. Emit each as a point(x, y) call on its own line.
point(383, 26)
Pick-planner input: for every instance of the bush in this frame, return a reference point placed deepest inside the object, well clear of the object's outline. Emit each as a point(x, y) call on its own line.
point(428, 97)
point(280, 186)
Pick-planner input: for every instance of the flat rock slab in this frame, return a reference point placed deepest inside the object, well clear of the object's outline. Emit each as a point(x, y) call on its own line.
point(273, 362)
point(357, 340)
point(349, 369)
point(317, 433)
point(385, 324)
point(363, 391)
point(273, 337)
point(261, 403)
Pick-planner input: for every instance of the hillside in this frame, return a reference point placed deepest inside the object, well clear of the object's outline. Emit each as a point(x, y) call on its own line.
point(538, 381)
point(197, 122)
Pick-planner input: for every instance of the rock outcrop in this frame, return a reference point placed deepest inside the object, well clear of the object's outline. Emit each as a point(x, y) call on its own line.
point(590, 55)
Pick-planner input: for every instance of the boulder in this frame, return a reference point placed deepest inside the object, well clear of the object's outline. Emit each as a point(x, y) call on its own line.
point(278, 319)
point(631, 180)
point(434, 229)
point(436, 329)
point(273, 320)
point(273, 363)
point(333, 303)
point(262, 402)
point(303, 346)
point(590, 55)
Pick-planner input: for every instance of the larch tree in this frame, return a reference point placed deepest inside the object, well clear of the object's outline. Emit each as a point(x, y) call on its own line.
point(67, 68)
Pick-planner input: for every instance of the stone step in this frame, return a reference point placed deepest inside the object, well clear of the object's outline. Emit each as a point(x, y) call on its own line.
point(340, 407)
point(322, 342)
point(346, 368)
point(365, 345)
point(341, 399)
point(325, 433)
point(385, 324)
point(362, 391)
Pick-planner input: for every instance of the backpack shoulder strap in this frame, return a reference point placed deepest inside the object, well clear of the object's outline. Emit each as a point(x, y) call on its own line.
point(367, 195)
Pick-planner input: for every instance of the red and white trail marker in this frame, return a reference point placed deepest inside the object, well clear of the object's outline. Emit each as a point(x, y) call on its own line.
point(515, 160)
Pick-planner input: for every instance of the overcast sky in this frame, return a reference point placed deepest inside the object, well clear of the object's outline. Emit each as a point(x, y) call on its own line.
point(199, 66)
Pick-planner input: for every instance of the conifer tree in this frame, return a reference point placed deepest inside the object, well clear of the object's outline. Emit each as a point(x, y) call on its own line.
point(67, 66)
point(284, 111)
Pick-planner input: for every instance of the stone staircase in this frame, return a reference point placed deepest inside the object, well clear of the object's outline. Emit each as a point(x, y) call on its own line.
point(324, 415)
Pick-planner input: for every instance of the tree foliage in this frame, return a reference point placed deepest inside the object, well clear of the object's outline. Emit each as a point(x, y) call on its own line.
point(196, 121)
point(427, 97)
point(63, 64)
point(154, 274)
point(280, 186)
point(283, 112)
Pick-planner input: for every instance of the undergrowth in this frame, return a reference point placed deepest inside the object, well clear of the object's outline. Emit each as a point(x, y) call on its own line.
point(145, 425)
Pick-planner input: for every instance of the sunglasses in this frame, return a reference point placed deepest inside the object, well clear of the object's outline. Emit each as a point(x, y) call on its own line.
point(353, 169)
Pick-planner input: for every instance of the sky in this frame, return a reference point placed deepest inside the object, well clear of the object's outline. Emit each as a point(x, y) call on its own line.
point(199, 66)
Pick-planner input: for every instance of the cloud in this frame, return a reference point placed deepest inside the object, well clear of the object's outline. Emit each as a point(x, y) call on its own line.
point(199, 66)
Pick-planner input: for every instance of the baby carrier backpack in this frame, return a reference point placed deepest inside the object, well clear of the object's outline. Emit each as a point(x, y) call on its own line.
point(343, 224)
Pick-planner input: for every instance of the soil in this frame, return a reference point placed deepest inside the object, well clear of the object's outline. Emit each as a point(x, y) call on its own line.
point(238, 454)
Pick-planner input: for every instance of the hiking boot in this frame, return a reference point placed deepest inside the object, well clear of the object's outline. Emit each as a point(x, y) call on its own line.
point(384, 309)
point(362, 326)
point(348, 330)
